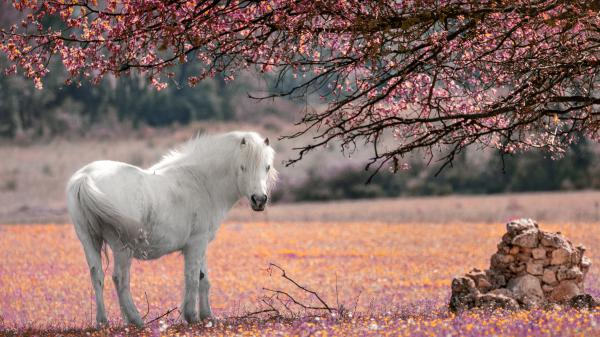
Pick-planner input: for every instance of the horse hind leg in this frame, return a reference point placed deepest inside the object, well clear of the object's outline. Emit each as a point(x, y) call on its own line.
point(92, 247)
point(121, 279)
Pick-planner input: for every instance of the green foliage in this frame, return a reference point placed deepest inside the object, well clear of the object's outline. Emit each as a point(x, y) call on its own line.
point(23, 108)
point(532, 171)
point(60, 108)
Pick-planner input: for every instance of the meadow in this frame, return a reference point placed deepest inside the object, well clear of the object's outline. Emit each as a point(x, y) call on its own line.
point(390, 279)
point(384, 266)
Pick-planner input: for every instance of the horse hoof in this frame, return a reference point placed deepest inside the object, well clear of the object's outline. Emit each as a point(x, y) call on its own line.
point(206, 315)
point(101, 323)
point(138, 323)
point(191, 319)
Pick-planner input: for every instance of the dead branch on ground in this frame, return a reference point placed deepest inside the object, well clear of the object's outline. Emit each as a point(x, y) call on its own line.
point(283, 304)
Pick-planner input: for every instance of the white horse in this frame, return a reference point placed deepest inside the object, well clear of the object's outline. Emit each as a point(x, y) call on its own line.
point(175, 205)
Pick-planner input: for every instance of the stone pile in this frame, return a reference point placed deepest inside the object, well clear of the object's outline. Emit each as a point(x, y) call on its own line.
point(531, 269)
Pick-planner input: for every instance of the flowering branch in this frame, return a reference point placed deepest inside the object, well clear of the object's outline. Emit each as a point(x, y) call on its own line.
point(433, 76)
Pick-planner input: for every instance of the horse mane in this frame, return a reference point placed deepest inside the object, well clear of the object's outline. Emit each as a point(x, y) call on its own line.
point(210, 146)
point(181, 152)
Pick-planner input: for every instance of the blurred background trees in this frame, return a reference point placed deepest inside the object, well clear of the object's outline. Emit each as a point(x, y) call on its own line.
point(62, 109)
point(472, 173)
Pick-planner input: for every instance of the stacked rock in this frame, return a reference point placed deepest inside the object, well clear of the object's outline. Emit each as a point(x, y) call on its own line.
point(531, 269)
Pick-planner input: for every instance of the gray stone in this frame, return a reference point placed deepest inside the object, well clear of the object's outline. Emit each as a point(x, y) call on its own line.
point(464, 294)
point(523, 257)
point(463, 285)
point(491, 301)
point(526, 286)
point(527, 239)
point(564, 291)
point(530, 269)
point(517, 267)
point(517, 226)
point(549, 277)
point(526, 250)
point(584, 301)
point(501, 260)
point(503, 247)
point(503, 292)
point(538, 253)
point(585, 262)
point(566, 273)
point(554, 240)
point(560, 256)
point(483, 284)
point(547, 288)
point(497, 279)
point(576, 257)
point(585, 265)
point(535, 268)
point(475, 273)
point(480, 278)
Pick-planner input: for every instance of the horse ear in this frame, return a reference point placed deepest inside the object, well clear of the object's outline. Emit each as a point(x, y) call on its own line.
point(243, 141)
point(267, 141)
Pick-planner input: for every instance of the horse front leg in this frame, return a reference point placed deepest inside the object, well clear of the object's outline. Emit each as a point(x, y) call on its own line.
point(122, 280)
point(193, 254)
point(205, 310)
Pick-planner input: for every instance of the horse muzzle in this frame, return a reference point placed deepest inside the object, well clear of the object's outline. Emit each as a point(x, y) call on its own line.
point(258, 202)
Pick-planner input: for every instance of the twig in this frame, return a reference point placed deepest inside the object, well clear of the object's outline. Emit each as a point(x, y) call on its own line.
point(370, 308)
point(179, 314)
point(279, 300)
point(253, 313)
point(284, 275)
point(356, 302)
point(271, 307)
point(147, 306)
point(291, 298)
point(286, 305)
point(161, 316)
point(337, 294)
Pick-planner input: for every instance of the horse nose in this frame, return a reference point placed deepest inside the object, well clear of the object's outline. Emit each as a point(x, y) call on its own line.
point(259, 200)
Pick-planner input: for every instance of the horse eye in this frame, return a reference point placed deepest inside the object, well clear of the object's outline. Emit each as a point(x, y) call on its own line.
point(242, 168)
point(268, 168)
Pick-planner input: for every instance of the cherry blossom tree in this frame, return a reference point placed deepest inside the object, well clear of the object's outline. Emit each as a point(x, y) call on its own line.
point(434, 76)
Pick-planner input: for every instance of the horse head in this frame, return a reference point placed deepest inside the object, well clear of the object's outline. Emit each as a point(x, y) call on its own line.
point(256, 174)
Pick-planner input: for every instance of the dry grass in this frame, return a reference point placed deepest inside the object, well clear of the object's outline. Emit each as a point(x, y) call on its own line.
point(33, 177)
point(569, 207)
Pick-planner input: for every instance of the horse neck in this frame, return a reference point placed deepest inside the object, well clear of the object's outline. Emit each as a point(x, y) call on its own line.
point(212, 174)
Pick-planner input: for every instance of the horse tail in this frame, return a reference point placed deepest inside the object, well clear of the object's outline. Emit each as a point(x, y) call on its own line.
point(92, 212)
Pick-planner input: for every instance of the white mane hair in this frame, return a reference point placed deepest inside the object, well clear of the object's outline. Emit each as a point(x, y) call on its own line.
point(204, 148)
point(175, 205)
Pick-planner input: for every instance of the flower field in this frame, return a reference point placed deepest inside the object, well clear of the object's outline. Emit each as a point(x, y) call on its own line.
point(391, 280)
